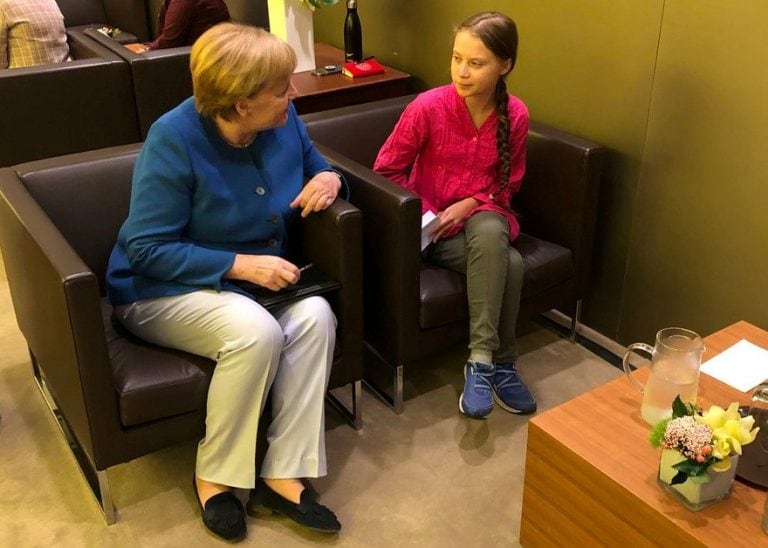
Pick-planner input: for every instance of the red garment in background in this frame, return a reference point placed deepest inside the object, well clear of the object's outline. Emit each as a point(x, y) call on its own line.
point(181, 22)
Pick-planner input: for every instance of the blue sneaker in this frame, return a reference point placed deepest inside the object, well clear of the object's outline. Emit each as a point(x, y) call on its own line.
point(476, 401)
point(510, 392)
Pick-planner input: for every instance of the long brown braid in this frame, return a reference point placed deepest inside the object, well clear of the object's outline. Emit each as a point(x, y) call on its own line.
point(498, 33)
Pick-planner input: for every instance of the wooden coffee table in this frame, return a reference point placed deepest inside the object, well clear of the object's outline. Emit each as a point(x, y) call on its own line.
point(590, 472)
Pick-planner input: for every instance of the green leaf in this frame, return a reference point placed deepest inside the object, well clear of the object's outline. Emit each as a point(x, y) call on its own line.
point(679, 409)
point(680, 477)
point(692, 468)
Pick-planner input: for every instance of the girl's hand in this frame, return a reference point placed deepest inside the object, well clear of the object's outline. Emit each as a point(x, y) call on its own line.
point(454, 214)
point(268, 271)
point(318, 193)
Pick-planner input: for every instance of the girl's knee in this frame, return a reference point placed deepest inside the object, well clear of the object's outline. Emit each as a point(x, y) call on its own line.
point(487, 230)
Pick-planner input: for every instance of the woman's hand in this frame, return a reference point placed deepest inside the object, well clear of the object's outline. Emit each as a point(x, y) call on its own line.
point(269, 271)
point(453, 214)
point(318, 193)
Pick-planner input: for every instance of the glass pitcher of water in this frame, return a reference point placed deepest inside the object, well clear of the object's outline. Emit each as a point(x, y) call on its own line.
point(675, 362)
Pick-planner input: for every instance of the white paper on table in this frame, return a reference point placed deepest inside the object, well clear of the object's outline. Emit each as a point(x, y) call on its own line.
point(742, 366)
point(429, 224)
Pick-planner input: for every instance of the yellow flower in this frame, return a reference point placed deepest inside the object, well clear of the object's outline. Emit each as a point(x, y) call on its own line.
point(721, 449)
point(729, 430)
point(721, 465)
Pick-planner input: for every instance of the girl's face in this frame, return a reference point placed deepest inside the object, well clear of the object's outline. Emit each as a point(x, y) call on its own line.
point(474, 68)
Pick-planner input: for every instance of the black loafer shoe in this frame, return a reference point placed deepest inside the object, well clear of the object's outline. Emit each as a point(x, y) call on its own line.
point(308, 512)
point(223, 515)
point(310, 489)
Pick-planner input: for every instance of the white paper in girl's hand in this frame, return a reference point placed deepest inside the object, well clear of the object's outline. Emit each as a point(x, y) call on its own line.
point(429, 224)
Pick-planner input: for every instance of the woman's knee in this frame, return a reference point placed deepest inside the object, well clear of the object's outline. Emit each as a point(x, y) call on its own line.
point(250, 326)
point(315, 313)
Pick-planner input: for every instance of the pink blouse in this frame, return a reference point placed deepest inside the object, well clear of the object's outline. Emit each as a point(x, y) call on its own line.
point(436, 152)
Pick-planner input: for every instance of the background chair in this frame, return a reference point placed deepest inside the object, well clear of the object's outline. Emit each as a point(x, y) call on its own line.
point(132, 17)
point(161, 78)
point(413, 308)
point(114, 396)
point(49, 110)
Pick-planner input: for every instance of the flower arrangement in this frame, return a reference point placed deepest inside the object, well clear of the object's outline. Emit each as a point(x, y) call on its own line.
point(707, 440)
point(315, 4)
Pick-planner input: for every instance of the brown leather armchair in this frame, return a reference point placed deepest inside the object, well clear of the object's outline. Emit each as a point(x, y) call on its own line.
point(161, 78)
point(49, 110)
point(413, 308)
point(130, 16)
point(116, 397)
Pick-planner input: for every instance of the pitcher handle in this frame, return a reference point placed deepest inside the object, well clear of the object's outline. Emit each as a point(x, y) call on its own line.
point(648, 349)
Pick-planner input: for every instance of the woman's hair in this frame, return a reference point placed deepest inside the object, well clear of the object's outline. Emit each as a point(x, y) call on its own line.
point(499, 34)
point(231, 61)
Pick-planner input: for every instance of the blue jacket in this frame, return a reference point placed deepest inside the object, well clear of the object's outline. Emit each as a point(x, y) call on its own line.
point(196, 202)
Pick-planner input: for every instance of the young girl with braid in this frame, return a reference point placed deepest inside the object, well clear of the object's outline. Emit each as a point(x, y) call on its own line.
point(461, 148)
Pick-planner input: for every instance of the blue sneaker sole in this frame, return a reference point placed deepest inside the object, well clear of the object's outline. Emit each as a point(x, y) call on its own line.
point(510, 409)
point(478, 417)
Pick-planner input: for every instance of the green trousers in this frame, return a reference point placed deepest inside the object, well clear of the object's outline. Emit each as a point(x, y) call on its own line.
point(494, 271)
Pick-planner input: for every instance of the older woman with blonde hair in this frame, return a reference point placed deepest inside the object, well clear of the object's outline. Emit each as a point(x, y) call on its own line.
point(215, 187)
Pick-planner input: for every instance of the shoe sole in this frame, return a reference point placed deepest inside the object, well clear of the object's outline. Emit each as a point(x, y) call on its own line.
point(509, 409)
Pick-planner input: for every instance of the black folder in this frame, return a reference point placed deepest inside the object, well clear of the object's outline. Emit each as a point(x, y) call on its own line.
point(312, 282)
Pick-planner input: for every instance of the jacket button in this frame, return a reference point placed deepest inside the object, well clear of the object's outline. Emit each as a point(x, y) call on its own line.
point(273, 243)
point(260, 190)
point(275, 219)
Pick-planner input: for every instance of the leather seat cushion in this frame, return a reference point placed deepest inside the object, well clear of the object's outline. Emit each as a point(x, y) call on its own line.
point(545, 264)
point(153, 382)
point(443, 300)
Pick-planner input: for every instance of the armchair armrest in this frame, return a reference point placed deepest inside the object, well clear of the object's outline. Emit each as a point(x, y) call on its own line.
point(56, 300)
point(332, 240)
point(391, 244)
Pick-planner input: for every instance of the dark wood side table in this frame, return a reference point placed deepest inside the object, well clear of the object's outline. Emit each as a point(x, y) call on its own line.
point(336, 90)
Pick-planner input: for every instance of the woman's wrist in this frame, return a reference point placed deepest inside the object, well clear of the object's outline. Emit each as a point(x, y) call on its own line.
point(334, 182)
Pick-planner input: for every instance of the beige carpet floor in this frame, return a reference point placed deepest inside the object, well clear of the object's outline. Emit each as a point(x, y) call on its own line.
point(428, 477)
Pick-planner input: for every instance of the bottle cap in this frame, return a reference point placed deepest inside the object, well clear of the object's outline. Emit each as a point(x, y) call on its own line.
point(352, 4)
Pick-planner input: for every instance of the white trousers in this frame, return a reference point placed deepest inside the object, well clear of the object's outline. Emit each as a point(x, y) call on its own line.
point(290, 352)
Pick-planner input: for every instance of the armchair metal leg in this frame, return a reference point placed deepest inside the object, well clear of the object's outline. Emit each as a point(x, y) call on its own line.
point(355, 416)
point(575, 321)
point(395, 401)
point(97, 480)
